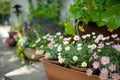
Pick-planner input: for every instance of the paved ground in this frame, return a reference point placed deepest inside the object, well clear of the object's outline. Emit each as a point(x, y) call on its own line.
point(8, 59)
point(13, 68)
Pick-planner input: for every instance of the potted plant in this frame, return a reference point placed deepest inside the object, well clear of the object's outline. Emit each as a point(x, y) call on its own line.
point(95, 52)
point(99, 16)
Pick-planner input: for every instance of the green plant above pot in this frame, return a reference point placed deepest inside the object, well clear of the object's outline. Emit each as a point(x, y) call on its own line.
point(103, 12)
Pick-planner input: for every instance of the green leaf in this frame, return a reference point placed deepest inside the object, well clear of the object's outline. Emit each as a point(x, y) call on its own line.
point(96, 15)
point(76, 11)
point(69, 28)
point(114, 22)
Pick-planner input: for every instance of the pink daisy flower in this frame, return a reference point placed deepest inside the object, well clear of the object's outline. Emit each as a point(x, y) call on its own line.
point(96, 64)
point(105, 60)
point(100, 45)
point(117, 47)
point(89, 72)
point(112, 67)
point(50, 46)
point(104, 71)
point(107, 38)
point(58, 33)
point(100, 36)
point(95, 56)
point(103, 76)
point(116, 76)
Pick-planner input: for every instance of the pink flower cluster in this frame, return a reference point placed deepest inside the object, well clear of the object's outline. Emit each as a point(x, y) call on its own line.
point(117, 47)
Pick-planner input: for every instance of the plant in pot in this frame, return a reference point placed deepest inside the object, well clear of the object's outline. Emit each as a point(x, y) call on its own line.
point(63, 52)
point(34, 49)
point(100, 16)
point(95, 52)
point(103, 53)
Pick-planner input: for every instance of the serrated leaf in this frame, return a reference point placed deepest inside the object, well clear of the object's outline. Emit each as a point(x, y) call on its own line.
point(112, 23)
point(76, 12)
point(96, 15)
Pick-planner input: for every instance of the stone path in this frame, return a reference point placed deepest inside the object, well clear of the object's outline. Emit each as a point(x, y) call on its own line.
point(8, 59)
point(14, 69)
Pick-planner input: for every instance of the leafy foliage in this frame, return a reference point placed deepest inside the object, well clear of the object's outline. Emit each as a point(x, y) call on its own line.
point(47, 8)
point(103, 12)
point(5, 9)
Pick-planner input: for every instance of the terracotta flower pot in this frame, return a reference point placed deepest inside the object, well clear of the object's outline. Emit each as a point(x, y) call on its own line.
point(29, 52)
point(77, 68)
point(51, 61)
point(56, 72)
point(95, 71)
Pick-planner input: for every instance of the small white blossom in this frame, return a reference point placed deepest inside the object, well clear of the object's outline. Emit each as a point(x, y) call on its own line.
point(58, 33)
point(47, 55)
point(33, 45)
point(88, 35)
point(89, 46)
point(61, 60)
point(79, 48)
point(93, 46)
point(55, 45)
point(59, 48)
point(103, 38)
point(99, 50)
point(41, 46)
point(73, 42)
point(44, 37)
point(79, 45)
point(38, 40)
point(107, 43)
point(59, 57)
point(84, 64)
point(59, 54)
point(84, 8)
point(96, 40)
point(76, 38)
point(61, 37)
point(75, 58)
point(94, 37)
point(93, 33)
point(65, 42)
point(55, 36)
point(67, 48)
point(84, 36)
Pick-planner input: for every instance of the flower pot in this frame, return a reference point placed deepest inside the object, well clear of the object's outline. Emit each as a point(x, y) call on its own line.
point(29, 52)
point(95, 71)
point(51, 61)
point(77, 68)
point(56, 72)
point(83, 29)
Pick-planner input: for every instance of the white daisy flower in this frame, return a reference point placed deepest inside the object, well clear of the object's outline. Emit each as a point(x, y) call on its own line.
point(59, 48)
point(79, 48)
point(75, 58)
point(67, 48)
point(38, 40)
point(84, 64)
point(79, 45)
point(76, 38)
point(61, 60)
point(47, 55)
